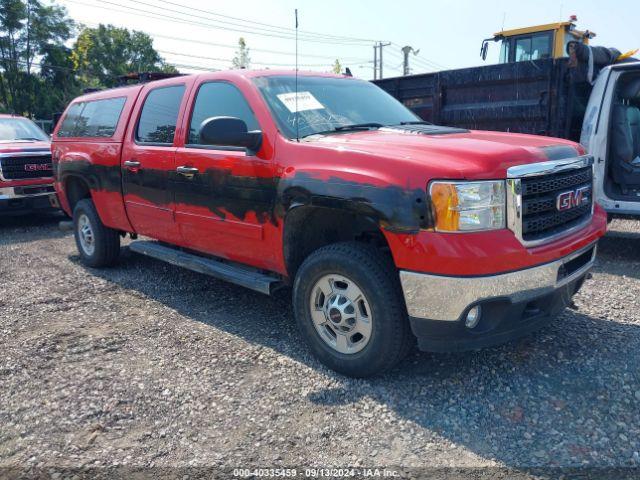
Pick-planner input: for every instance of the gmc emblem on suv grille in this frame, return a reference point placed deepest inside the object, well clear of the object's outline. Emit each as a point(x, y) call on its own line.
point(34, 167)
point(573, 198)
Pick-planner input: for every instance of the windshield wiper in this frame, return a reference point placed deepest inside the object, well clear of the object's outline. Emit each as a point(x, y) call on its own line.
point(347, 128)
point(29, 138)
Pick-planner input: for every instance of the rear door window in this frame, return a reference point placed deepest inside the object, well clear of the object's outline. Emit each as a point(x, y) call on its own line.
point(98, 118)
point(157, 124)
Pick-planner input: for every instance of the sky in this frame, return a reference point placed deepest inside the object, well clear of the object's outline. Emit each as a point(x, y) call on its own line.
point(198, 35)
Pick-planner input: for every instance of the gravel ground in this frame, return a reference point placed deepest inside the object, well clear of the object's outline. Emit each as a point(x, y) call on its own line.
point(147, 364)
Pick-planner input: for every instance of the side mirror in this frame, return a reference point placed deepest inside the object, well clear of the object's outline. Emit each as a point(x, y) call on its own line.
point(484, 49)
point(229, 132)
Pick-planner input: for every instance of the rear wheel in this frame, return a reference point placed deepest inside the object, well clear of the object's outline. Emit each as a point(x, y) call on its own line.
point(99, 246)
point(349, 307)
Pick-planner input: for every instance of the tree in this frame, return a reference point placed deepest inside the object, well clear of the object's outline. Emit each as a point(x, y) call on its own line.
point(241, 60)
point(337, 67)
point(58, 85)
point(102, 54)
point(31, 34)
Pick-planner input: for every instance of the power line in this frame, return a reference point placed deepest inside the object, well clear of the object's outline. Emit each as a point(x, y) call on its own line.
point(253, 29)
point(282, 32)
point(155, 15)
point(223, 45)
point(253, 22)
point(254, 63)
point(40, 64)
point(424, 60)
point(271, 28)
point(81, 70)
point(399, 58)
point(325, 65)
point(419, 60)
point(425, 64)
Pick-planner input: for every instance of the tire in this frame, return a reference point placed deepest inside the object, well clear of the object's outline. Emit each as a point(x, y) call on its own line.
point(99, 246)
point(339, 270)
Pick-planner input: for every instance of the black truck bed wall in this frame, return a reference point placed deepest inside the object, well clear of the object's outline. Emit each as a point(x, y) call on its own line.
point(541, 97)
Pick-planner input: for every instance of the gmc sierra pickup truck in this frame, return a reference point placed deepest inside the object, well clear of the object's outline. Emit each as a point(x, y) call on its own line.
point(26, 177)
point(387, 228)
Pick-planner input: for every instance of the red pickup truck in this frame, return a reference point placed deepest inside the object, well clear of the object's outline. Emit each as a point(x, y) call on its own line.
point(26, 177)
point(388, 228)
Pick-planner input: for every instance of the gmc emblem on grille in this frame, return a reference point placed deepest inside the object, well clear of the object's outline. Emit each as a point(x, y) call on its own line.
point(35, 167)
point(573, 198)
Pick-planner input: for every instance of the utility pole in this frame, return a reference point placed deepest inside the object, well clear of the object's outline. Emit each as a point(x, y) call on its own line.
point(381, 46)
point(375, 61)
point(405, 62)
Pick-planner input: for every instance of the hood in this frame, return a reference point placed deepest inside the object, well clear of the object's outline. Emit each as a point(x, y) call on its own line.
point(459, 154)
point(23, 146)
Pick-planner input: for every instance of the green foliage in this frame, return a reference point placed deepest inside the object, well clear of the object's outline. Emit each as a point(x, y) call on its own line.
point(31, 35)
point(242, 59)
point(101, 55)
point(40, 75)
point(58, 84)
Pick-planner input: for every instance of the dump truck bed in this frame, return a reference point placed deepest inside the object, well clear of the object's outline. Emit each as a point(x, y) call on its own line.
point(542, 97)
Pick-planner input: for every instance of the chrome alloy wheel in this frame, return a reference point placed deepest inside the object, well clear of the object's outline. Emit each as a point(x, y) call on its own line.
point(85, 235)
point(341, 314)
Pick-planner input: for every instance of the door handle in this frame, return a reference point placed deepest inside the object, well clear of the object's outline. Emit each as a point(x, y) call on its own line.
point(188, 172)
point(132, 164)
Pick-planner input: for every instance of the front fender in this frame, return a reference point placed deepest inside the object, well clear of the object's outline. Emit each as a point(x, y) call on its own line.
point(394, 207)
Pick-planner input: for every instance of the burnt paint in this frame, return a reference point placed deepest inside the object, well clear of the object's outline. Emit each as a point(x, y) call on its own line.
point(393, 207)
point(224, 193)
point(98, 177)
point(269, 198)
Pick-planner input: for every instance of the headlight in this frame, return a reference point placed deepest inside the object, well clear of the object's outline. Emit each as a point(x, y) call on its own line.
point(468, 206)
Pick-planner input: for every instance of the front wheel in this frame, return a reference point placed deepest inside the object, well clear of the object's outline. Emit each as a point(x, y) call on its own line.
point(349, 307)
point(99, 246)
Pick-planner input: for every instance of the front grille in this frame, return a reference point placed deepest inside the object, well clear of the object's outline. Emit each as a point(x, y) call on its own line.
point(541, 217)
point(24, 167)
point(555, 182)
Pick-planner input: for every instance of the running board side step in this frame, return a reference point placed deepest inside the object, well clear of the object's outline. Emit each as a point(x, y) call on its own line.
point(243, 276)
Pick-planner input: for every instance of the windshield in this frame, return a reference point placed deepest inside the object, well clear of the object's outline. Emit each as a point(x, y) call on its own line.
point(325, 104)
point(13, 129)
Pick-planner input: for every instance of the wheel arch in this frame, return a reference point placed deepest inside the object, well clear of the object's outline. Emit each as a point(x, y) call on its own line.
point(76, 188)
point(308, 228)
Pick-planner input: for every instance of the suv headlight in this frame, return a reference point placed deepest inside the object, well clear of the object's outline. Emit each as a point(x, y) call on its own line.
point(468, 206)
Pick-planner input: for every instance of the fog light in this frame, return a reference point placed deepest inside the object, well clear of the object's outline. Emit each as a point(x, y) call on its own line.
point(473, 317)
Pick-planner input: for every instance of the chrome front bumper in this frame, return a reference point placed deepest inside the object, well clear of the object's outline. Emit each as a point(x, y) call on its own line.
point(28, 197)
point(11, 193)
point(437, 297)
